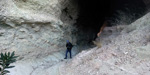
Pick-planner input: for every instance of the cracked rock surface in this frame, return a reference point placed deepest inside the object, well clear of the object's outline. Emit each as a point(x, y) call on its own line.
point(38, 29)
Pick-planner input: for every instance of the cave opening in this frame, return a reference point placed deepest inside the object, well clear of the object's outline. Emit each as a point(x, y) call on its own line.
point(92, 15)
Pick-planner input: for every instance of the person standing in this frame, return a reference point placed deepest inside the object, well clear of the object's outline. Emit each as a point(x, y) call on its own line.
point(69, 47)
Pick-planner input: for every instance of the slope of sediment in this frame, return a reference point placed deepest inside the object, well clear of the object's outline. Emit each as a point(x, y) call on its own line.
point(122, 53)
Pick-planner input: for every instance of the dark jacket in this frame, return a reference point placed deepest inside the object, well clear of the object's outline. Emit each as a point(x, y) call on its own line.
point(69, 46)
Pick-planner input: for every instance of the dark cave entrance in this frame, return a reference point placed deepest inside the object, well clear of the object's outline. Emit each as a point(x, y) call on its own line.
point(92, 15)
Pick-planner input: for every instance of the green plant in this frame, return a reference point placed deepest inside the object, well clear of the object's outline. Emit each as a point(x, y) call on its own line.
point(5, 60)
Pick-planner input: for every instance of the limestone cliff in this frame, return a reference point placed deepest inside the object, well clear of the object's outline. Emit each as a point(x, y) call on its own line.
point(42, 26)
point(37, 31)
point(124, 51)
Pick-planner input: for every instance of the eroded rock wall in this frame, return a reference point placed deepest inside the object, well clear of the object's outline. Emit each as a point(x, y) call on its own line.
point(36, 27)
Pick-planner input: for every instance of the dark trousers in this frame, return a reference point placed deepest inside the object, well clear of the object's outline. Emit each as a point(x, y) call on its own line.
point(68, 50)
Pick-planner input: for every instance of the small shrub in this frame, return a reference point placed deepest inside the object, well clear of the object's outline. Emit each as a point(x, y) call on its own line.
point(5, 60)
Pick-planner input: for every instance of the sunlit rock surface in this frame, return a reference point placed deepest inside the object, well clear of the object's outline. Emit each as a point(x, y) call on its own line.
point(36, 27)
point(37, 31)
point(125, 51)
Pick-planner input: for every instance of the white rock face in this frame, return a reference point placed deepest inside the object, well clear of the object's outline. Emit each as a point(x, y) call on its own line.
point(126, 53)
point(29, 26)
point(37, 31)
